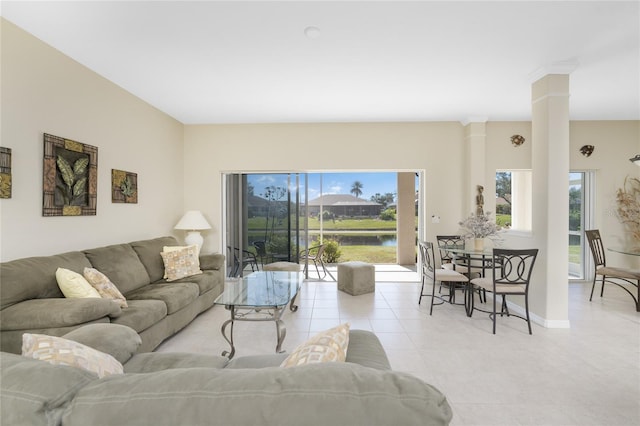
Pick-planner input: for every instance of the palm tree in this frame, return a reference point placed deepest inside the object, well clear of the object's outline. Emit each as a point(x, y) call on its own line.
point(356, 188)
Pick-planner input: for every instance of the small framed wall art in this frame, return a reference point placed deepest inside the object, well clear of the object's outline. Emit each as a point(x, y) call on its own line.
point(124, 187)
point(70, 186)
point(5, 172)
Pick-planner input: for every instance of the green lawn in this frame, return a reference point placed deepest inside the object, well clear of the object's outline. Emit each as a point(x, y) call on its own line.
point(369, 254)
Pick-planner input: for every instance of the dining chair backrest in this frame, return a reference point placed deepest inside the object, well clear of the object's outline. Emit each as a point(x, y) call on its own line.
point(426, 257)
point(597, 247)
point(448, 242)
point(515, 268)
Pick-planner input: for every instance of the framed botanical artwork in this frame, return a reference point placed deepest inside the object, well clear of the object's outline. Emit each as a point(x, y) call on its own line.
point(70, 176)
point(5, 172)
point(124, 187)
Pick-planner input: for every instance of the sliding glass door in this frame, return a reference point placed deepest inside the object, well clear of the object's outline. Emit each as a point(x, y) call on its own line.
point(263, 221)
point(580, 218)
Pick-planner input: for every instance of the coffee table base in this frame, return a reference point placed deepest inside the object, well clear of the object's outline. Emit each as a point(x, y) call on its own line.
point(256, 314)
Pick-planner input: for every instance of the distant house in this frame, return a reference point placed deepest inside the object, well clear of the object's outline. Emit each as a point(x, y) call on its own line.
point(344, 205)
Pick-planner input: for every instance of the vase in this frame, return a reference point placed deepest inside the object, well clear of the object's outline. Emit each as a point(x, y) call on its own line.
point(478, 244)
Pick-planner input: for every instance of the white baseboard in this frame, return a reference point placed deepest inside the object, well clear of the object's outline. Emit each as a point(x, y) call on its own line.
point(536, 318)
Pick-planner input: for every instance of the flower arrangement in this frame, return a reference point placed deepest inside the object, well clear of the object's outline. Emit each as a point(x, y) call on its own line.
point(628, 201)
point(479, 226)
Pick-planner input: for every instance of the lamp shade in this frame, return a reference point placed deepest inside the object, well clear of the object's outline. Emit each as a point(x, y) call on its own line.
point(193, 220)
point(635, 160)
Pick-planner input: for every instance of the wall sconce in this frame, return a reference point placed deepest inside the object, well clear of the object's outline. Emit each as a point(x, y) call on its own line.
point(587, 150)
point(635, 160)
point(517, 140)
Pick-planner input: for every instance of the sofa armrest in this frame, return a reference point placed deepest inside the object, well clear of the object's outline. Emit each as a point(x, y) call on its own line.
point(119, 341)
point(212, 261)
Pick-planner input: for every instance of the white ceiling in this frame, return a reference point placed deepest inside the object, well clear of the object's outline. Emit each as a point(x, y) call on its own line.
point(250, 62)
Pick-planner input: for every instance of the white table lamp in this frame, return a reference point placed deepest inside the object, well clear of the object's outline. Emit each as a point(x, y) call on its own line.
point(193, 222)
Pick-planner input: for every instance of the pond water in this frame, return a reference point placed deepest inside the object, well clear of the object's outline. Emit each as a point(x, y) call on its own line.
point(388, 240)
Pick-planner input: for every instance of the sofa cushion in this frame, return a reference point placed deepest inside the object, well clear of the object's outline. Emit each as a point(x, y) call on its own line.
point(119, 341)
point(35, 277)
point(150, 362)
point(52, 313)
point(318, 394)
point(104, 286)
point(327, 346)
point(61, 351)
point(121, 264)
point(206, 281)
point(175, 295)
point(73, 284)
point(35, 392)
point(142, 314)
point(149, 253)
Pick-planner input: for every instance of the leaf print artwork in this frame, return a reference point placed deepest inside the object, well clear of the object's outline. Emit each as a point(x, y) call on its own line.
point(71, 178)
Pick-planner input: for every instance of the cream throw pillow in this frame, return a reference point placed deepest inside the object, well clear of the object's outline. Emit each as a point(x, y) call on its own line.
point(167, 249)
point(73, 284)
point(327, 346)
point(181, 263)
point(104, 286)
point(59, 351)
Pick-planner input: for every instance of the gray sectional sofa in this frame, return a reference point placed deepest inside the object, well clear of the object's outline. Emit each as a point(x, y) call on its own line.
point(195, 389)
point(31, 301)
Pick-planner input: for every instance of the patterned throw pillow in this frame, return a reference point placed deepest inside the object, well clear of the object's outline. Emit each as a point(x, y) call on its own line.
point(327, 346)
point(181, 263)
point(104, 286)
point(167, 249)
point(73, 284)
point(59, 351)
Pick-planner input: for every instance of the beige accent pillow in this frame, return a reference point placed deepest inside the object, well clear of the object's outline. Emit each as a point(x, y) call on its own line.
point(73, 284)
point(327, 346)
point(59, 351)
point(181, 263)
point(167, 249)
point(104, 286)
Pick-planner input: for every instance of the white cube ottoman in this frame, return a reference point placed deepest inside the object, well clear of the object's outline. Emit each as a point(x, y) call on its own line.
point(281, 266)
point(356, 278)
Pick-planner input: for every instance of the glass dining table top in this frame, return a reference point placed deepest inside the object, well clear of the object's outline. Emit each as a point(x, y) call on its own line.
point(633, 251)
point(261, 289)
point(488, 251)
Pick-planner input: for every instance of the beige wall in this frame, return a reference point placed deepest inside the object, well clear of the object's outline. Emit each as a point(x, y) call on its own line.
point(44, 91)
point(435, 148)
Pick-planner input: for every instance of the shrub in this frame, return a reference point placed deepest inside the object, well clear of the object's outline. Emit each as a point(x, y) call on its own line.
point(388, 214)
point(331, 251)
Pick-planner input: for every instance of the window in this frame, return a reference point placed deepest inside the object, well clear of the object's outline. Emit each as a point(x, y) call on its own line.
point(513, 199)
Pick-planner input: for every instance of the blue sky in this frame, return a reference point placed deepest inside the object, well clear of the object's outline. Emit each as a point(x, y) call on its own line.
point(332, 183)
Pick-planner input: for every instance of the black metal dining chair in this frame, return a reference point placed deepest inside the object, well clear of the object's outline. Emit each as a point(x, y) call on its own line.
point(610, 273)
point(511, 278)
point(430, 272)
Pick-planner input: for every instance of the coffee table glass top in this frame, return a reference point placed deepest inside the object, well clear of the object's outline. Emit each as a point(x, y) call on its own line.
point(261, 289)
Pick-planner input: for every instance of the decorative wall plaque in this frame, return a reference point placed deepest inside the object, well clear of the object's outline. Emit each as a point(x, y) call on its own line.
point(5, 172)
point(70, 176)
point(124, 187)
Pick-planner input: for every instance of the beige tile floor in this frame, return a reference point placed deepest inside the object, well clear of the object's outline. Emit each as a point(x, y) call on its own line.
point(586, 375)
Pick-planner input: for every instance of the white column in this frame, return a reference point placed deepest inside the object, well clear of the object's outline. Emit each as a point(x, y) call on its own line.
point(475, 135)
point(550, 224)
point(405, 215)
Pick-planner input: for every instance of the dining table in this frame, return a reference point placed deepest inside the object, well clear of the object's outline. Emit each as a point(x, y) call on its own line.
point(479, 259)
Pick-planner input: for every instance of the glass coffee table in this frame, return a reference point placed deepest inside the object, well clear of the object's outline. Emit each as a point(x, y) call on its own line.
point(260, 296)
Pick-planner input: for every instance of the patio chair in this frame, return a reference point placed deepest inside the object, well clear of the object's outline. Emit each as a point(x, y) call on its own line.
point(242, 258)
point(608, 273)
point(314, 254)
